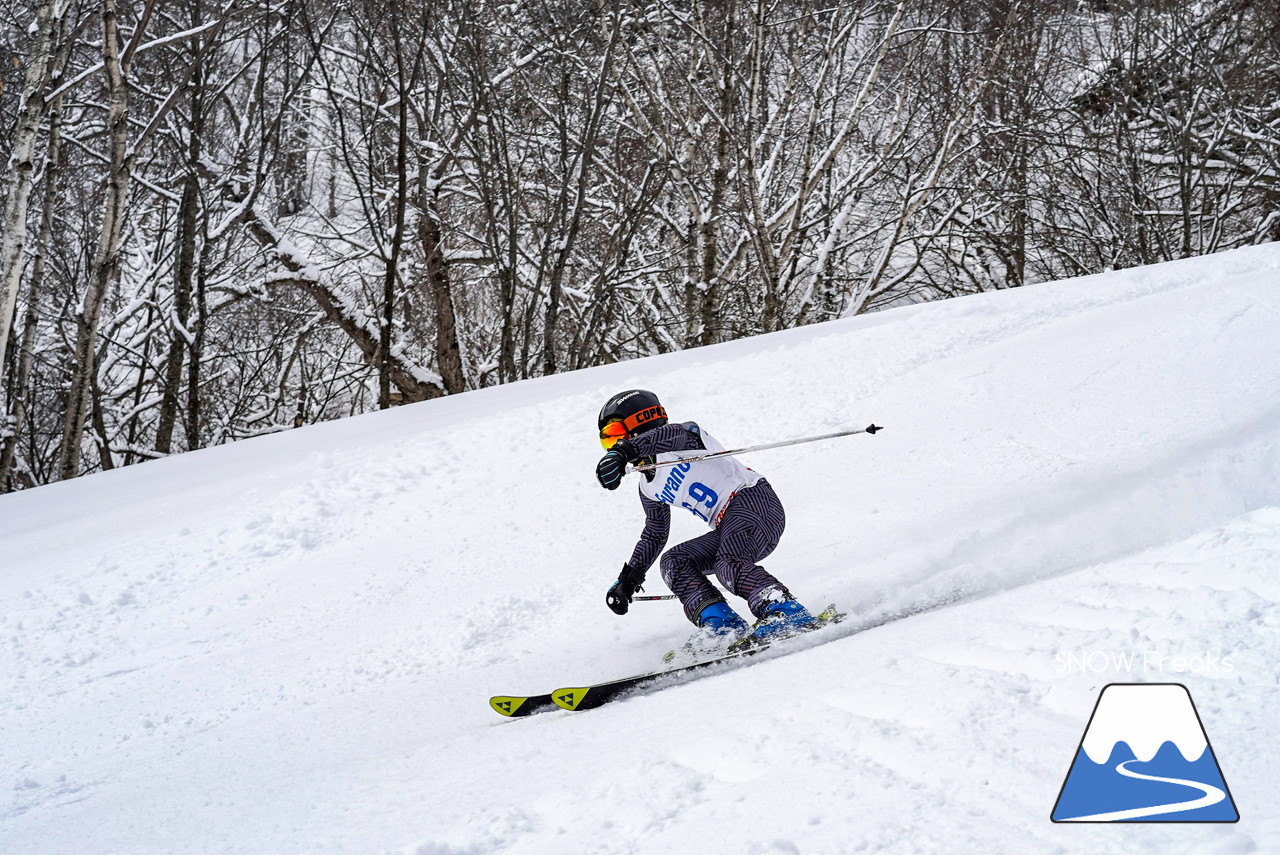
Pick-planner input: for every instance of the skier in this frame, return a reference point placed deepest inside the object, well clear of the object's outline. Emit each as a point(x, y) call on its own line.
point(744, 514)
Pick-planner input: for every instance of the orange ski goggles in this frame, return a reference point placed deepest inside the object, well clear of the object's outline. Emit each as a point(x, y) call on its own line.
point(618, 429)
point(611, 433)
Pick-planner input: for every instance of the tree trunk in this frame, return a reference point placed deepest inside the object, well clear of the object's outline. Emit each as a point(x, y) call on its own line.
point(13, 229)
point(181, 312)
point(448, 352)
point(106, 260)
point(27, 349)
point(194, 362)
point(184, 267)
point(391, 273)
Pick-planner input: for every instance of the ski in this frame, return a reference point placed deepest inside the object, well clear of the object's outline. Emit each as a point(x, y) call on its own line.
point(518, 706)
point(580, 698)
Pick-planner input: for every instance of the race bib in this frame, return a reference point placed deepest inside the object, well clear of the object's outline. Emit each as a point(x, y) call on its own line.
point(701, 487)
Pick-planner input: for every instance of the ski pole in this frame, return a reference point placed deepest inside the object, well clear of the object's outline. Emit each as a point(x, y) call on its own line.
point(645, 467)
point(663, 597)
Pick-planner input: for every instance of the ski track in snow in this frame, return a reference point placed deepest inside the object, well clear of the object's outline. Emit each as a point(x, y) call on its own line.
point(286, 645)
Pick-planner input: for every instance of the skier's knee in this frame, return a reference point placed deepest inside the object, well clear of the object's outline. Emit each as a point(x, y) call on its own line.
point(672, 564)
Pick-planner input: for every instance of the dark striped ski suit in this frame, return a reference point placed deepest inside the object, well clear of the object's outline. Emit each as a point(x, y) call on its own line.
point(748, 529)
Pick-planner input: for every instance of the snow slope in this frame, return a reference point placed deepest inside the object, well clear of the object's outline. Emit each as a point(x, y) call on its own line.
point(287, 645)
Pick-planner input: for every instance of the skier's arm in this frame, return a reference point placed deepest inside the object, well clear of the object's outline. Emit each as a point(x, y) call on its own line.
point(677, 437)
point(657, 526)
point(682, 437)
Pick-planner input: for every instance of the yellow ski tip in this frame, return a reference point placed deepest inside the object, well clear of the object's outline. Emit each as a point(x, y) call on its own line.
point(569, 699)
point(506, 705)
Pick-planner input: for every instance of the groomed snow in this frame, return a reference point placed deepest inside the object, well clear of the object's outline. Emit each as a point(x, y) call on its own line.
point(287, 645)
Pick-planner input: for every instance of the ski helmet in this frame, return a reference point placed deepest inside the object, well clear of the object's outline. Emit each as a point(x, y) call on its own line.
point(635, 409)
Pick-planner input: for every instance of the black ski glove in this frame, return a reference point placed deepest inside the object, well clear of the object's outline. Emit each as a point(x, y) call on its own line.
point(613, 465)
point(621, 592)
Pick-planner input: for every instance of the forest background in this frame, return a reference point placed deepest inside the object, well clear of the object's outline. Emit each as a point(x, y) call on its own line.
point(224, 219)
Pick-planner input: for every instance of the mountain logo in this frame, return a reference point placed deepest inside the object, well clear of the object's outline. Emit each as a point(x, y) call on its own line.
point(1145, 757)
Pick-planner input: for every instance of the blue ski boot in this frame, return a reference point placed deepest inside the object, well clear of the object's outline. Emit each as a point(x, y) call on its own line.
point(782, 618)
point(722, 620)
point(718, 627)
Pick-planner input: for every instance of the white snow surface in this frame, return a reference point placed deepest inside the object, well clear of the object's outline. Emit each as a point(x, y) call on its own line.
point(287, 645)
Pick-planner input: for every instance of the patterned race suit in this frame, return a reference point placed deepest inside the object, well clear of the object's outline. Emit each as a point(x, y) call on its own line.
point(744, 513)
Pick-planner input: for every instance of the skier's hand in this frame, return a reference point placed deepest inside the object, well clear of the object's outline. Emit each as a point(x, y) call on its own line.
point(620, 593)
point(613, 465)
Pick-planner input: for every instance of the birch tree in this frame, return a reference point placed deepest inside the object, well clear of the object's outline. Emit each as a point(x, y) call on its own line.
point(22, 166)
point(106, 258)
